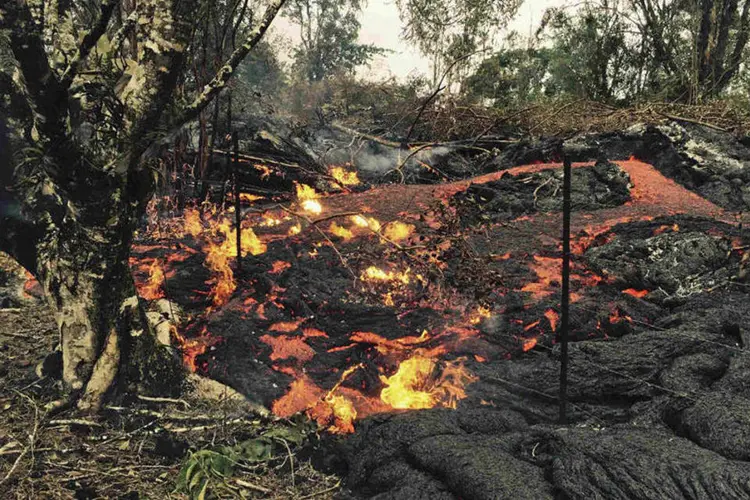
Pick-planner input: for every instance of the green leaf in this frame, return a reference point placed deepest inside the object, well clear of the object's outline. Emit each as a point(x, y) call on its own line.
point(103, 45)
point(292, 434)
point(202, 494)
point(255, 450)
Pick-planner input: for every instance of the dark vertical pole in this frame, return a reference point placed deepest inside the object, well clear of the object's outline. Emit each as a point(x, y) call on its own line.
point(237, 207)
point(565, 299)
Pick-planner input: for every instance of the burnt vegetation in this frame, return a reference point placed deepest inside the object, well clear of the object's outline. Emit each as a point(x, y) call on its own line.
point(231, 268)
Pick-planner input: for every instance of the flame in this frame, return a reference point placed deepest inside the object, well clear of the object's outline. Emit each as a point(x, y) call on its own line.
point(398, 231)
point(341, 232)
point(285, 326)
point(343, 176)
point(271, 221)
point(288, 347)
point(249, 198)
point(312, 206)
point(265, 170)
point(481, 313)
point(615, 316)
point(553, 318)
point(366, 222)
point(154, 287)
point(295, 229)
point(374, 273)
point(193, 225)
point(279, 266)
point(193, 347)
point(308, 199)
point(415, 385)
point(529, 344)
point(344, 413)
point(30, 285)
point(303, 394)
point(531, 326)
point(218, 256)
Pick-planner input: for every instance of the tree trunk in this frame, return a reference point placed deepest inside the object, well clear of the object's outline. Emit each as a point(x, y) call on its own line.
point(106, 343)
point(75, 238)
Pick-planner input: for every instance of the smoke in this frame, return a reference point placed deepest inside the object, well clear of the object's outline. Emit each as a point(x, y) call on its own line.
point(372, 159)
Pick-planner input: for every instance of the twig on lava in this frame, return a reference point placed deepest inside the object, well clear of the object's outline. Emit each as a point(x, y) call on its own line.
point(340, 255)
point(401, 165)
point(329, 217)
point(540, 186)
point(324, 235)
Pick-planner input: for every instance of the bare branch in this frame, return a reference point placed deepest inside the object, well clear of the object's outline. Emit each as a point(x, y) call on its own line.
point(89, 41)
point(219, 82)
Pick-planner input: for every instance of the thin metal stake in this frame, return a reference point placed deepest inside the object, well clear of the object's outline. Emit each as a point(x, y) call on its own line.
point(237, 207)
point(565, 299)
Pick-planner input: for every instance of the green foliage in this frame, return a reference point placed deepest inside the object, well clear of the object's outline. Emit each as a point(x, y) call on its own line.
point(621, 51)
point(512, 76)
point(449, 30)
point(204, 473)
point(329, 30)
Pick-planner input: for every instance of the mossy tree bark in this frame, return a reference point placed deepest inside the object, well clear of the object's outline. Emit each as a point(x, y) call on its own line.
point(69, 205)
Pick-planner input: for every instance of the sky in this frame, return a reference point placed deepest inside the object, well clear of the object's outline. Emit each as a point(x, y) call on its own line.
point(382, 26)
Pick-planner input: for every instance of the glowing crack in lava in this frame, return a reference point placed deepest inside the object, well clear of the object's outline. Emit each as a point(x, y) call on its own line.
point(378, 237)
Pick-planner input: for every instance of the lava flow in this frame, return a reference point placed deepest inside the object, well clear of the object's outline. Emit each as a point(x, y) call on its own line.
point(384, 300)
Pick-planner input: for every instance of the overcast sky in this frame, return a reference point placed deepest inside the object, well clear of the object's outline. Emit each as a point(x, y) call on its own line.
point(382, 26)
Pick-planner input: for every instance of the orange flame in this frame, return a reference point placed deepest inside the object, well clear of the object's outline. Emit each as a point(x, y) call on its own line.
point(415, 385)
point(398, 231)
point(154, 287)
point(344, 177)
point(193, 225)
point(374, 273)
point(552, 317)
point(341, 232)
point(308, 199)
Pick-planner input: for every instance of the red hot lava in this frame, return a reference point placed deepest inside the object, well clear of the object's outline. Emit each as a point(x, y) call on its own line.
point(413, 371)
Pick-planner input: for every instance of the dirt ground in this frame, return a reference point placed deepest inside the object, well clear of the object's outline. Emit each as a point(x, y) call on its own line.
point(128, 453)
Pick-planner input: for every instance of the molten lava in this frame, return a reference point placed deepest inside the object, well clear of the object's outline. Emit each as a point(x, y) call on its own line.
point(396, 368)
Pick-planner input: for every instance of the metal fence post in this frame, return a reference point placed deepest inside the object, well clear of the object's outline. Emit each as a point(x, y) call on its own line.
point(565, 299)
